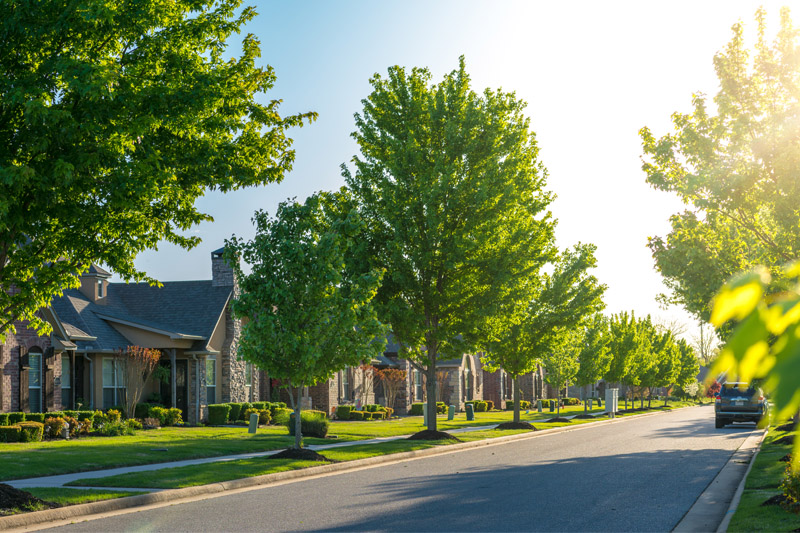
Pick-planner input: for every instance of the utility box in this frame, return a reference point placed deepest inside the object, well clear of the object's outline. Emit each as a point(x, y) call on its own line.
point(470, 412)
point(451, 412)
point(612, 402)
point(253, 423)
point(539, 405)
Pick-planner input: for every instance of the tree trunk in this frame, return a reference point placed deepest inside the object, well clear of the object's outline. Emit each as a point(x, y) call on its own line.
point(649, 397)
point(298, 426)
point(641, 399)
point(517, 396)
point(431, 392)
point(585, 399)
point(558, 402)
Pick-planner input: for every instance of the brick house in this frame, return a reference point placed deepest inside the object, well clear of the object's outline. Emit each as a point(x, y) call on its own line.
point(190, 322)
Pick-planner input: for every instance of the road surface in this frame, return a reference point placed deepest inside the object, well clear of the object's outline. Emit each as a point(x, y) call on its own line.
point(635, 474)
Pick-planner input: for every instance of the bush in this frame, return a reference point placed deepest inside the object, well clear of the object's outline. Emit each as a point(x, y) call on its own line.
point(790, 486)
point(357, 415)
point(236, 410)
point(34, 417)
point(218, 414)
point(343, 412)
point(151, 423)
point(53, 427)
point(132, 423)
point(75, 427)
point(441, 408)
point(15, 418)
point(143, 410)
point(489, 405)
point(160, 413)
point(523, 404)
point(4, 419)
point(280, 416)
point(121, 409)
point(88, 417)
point(31, 431)
point(389, 412)
point(99, 419)
point(9, 433)
point(417, 409)
point(73, 414)
point(260, 405)
point(115, 429)
point(245, 407)
point(312, 424)
point(114, 416)
point(174, 417)
point(263, 415)
point(572, 401)
point(480, 406)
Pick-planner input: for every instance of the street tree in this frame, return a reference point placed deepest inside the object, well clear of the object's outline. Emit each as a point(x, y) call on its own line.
point(624, 344)
point(308, 315)
point(705, 343)
point(136, 365)
point(689, 365)
point(733, 163)
point(561, 360)
point(594, 358)
point(452, 192)
point(520, 336)
point(115, 118)
point(392, 379)
point(665, 363)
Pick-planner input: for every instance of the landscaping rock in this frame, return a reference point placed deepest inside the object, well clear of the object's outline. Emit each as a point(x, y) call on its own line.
point(15, 500)
point(428, 434)
point(516, 425)
point(303, 454)
point(775, 500)
point(788, 439)
point(558, 419)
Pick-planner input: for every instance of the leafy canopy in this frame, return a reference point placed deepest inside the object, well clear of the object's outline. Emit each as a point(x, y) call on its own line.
point(734, 164)
point(116, 118)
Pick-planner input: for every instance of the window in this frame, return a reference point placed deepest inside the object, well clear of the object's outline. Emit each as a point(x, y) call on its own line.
point(248, 380)
point(345, 379)
point(35, 381)
point(468, 381)
point(100, 289)
point(418, 385)
point(211, 380)
point(113, 383)
point(66, 383)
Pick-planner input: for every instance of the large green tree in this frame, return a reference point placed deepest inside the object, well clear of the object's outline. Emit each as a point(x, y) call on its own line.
point(115, 117)
point(308, 315)
point(594, 358)
point(561, 360)
point(625, 345)
point(733, 162)
point(452, 191)
point(520, 335)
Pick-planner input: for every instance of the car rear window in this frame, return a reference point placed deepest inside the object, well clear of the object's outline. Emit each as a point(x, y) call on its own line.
point(736, 391)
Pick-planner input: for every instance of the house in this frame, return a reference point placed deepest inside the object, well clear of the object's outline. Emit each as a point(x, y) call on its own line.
point(190, 322)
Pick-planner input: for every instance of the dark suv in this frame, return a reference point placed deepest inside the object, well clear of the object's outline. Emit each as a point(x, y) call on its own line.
point(739, 402)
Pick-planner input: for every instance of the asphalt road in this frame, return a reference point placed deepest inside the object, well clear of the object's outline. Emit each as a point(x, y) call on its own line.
point(635, 474)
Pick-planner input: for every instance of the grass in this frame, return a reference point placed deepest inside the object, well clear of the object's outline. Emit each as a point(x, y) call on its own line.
point(173, 444)
point(65, 496)
point(762, 483)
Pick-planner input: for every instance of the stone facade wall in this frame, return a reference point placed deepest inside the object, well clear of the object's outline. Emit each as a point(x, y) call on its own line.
point(221, 273)
point(492, 388)
point(194, 367)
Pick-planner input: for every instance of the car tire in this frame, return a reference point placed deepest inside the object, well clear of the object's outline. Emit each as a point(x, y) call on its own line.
point(719, 423)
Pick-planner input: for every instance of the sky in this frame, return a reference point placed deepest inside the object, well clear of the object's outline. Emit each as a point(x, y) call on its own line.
point(593, 74)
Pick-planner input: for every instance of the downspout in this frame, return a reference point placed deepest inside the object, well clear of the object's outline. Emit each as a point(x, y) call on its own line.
point(91, 379)
point(173, 383)
point(196, 388)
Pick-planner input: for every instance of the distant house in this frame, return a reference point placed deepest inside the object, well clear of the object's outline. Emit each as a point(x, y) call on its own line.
point(190, 322)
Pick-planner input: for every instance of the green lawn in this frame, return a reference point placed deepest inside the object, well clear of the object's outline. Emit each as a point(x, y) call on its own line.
point(761, 484)
point(172, 444)
point(63, 496)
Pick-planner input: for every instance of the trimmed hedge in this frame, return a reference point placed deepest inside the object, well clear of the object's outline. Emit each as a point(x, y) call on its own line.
point(142, 410)
point(218, 414)
point(572, 401)
point(523, 404)
point(9, 433)
point(4, 419)
point(31, 431)
point(441, 408)
point(15, 418)
point(260, 405)
point(236, 410)
point(280, 416)
point(357, 415)
point(34, 417)
point(263, 415)
point(312, 424)
point(343, 412)
point(245, 407)
point(86, 415)
point(53, 426)
point(417, 409)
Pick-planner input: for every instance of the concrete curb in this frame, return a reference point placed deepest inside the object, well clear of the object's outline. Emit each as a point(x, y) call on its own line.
point(706, 515)
point(723, 527)
point(28, 520)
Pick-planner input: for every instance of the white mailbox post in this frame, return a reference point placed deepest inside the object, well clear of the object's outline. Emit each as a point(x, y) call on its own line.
point(612, 402)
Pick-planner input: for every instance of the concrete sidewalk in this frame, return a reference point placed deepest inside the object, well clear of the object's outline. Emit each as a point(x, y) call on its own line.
point(63, 479)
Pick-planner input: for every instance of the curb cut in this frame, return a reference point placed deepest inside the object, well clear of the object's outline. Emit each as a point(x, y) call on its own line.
point(32, 519)
point(704, 514)
point(723, 526)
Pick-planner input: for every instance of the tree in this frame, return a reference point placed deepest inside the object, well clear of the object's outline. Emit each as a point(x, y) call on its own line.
point(689, 365)
point(367, 382)
point(521, 335)
point(705, 343)
point(594, 358)
point(666, 363)
point(734, 164)
point(114, 119)
point(450, 187)
point(308, 316)
point(625, 345)
point(136, 366)
point(391, 380)
point(561, 361)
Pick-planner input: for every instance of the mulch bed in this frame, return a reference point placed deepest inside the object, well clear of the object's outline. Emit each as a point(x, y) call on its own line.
point(582, 416)
point(788, 439)
point(775, 500)
point(303, 454)
point(516, 425)
point(786, 458)
point(429, 434)
point(559, 419)
point(16, 500)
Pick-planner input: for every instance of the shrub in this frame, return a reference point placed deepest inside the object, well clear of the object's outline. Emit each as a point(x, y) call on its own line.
point(280, 416)
point(114, 415)
point(4, 419)
point(99, 419)
point(218, 414)
point(260, 405)
point(174, 417)
point(160, 413)
point(790, 485)
point(86, 417)
point(264, 417)
point(121, 409)
point(572, 401)
point(132, 423)
point(249, 412)
point(115, 429)
point(31, 431)
point(523, 404)
point(73, 414)
point(312, 424)
point(489, 405)
point(480, 406)
point(53, 414)
point(245, 407)
point(15, 418)
point(74, 425)
point(236, 410)
point(343, 412)
point(151, 423)
point(441, 408)
point(142, 410)
point(417, 409)
point(357, 415)
point(53, 426)
point(34, 417)
point(9, 433)
point(389, 412)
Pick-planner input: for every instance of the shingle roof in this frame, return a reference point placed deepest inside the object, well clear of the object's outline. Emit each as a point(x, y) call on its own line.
point(97, 271)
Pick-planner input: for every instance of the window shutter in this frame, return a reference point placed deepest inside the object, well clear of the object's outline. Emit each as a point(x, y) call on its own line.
point(24, 366)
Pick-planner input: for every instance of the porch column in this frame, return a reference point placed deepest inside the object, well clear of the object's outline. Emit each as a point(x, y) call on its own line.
point(72, 374)
point(173, 370)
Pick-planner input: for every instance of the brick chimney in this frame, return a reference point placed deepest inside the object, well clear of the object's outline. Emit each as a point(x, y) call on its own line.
point(221, 271)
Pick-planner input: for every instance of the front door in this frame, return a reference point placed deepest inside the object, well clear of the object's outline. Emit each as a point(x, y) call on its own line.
point(181, 386)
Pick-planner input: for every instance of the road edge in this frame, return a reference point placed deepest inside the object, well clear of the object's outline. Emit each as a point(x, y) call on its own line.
point(701, 517)
point(25, 521)
point(723, 526)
